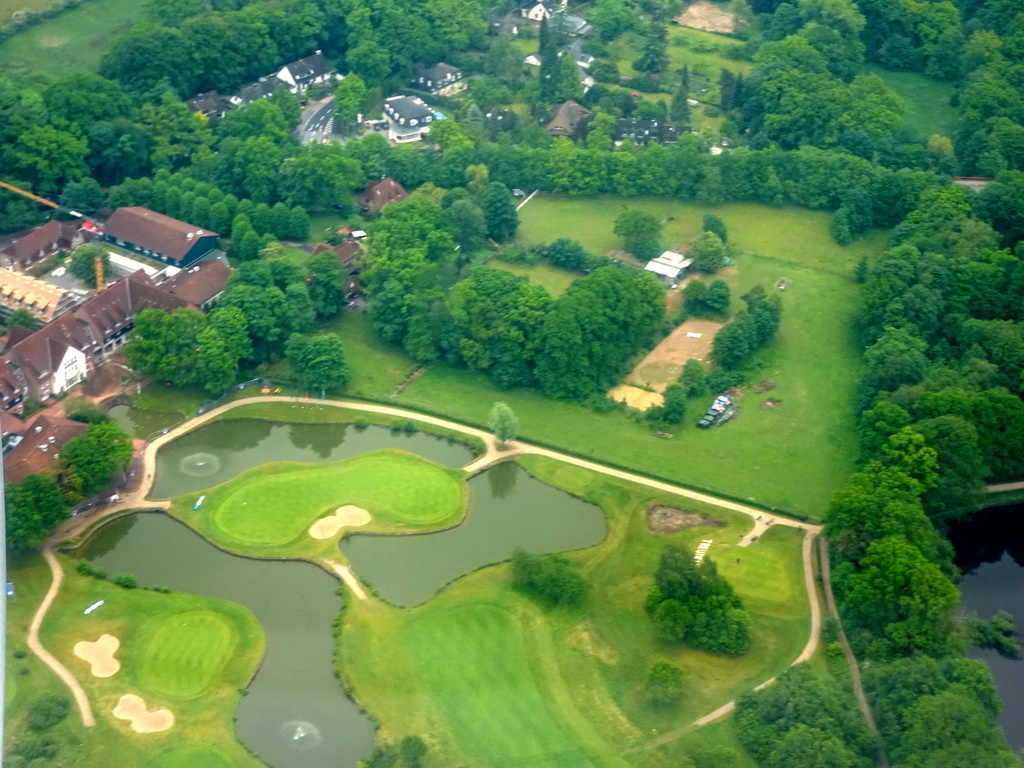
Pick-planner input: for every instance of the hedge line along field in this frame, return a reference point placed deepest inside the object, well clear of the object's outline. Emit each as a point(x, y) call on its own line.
point(197, 672)
point(498, 681)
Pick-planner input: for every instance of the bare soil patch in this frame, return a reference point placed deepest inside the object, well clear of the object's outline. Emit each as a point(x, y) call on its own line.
point(709, 17)
point(584, 637)
point(634, 397)
point(661, 367)
point(349, 516)
point(662, 520)
point(133, 708)
point(99, 654)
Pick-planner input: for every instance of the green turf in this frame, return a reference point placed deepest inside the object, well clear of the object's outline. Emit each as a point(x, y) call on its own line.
point(496, 681)
point(185, 653)
point(268, 510)
point(7, 7)
point(164, 399)
point(793, 234)
point(702, 52)
point(377, 367)
point(203, 735)
point(927, 100)
point(72, 42)
point(551, 278)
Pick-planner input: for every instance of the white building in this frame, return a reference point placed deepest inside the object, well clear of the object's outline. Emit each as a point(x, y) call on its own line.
point(409, 118)
point(670, 265)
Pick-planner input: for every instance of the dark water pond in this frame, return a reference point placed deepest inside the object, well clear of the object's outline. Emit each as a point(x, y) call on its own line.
point(990, 552)
point(141, 423)
point(222, 450)
point(296, 714)
point(508, 509)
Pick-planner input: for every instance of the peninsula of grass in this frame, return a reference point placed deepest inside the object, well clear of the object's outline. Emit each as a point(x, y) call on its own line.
point(268, 511)
point(191, 654)
point(498, 681)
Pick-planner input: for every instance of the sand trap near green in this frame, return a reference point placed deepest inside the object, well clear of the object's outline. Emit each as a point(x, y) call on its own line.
point(273, 509)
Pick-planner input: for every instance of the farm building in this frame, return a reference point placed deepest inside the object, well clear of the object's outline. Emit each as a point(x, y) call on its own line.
point(669, 266)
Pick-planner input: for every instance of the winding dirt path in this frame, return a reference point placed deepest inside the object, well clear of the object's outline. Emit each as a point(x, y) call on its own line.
point(494, 453)
point(81, 700)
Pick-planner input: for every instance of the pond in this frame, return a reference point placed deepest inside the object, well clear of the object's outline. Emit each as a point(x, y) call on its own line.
point(296, 714)
point(217, 452)
point(141, 423)
point(990, 552)
point(508, 509)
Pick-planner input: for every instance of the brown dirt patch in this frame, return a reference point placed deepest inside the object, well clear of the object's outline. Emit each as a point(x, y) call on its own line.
point(662, 520)
point(349, 516)
point(100, 655)
point(133, 708)
point(663, 364)
point(771, 404)
point(634, 397)
point(709, 17)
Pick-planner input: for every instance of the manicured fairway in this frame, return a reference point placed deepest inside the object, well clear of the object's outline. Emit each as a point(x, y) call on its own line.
point(185, 653)
point(498, 682)
point(264, 510)
point(189, 755)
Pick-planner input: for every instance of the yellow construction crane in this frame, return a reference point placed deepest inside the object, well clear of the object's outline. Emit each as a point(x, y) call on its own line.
point(29, 195)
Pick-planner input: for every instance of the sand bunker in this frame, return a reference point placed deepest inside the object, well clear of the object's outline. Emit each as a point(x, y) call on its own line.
point(635, 397)
point(133, 708)
point(100, 654)
point(349, 516)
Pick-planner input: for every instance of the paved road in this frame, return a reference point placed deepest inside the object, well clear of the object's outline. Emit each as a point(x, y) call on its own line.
point(317, 123)
point(1004, 487)
point(494, 453)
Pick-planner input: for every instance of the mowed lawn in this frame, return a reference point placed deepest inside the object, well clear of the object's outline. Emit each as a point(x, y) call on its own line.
point(551, 278)
point(927, 100)
point(72, 42)
point(269, 510)
point(498, 681)
point(188, 653)
point(701, 51)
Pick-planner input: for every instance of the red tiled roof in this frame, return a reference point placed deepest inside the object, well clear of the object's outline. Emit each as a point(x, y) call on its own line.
point(198, 284)
point(380, 193)
point(154, 231)
point(347, 251)
point(42, 441)
point(48, 237)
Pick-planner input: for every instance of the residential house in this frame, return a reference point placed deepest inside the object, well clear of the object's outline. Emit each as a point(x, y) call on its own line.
point(201, 285)
point(160, 237)
point(583, 62)
point(41, 242)
point(348, 252)
point(209, 104)
point(439, 80)
point(40, 444)
point(301, 74)
point(12, 386)
point(644, 131)
point(380, 193)
point(670, 266)
point(569, 120)
point(44, 300)
point(408, 117)
point(541, 10)
point(574, 26)
point(54, 358)
point(261, 89)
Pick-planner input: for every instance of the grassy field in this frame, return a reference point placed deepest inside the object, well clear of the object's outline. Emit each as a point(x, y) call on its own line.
point(496, 681)
point(701, 51)
point(792, 234)
point(196, 670)
point(7, 7)
point(927, 101)
point(268, 510)
point(377, 367)
point(72, 42)
point(553, 279)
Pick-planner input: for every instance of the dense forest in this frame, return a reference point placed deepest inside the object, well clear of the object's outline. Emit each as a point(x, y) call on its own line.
point(941, 319)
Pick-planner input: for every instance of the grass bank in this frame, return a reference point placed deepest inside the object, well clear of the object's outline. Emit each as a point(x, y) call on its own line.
point(927, 100)
point(496, 681)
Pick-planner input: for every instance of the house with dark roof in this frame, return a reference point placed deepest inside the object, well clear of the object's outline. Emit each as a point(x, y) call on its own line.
point(408, 117)
point(440, 80)
point(644, 131)
point(261, 89)
point(569, 120)
point(583, 62)
point(200, 285)
point(41, 242)
point(380, 193)
point(299, 75)
point(13, 386)
point(40, 444)
point(209, 104)
point(160, 237)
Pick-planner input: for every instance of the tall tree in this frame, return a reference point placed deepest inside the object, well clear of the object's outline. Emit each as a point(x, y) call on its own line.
point(97, 455)
point(503, 422)
point(318, 360)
